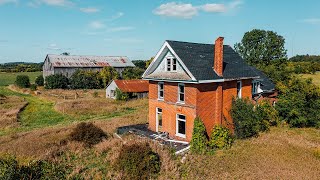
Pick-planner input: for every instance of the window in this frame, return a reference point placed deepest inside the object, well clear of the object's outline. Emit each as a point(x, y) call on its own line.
point(159, 119)
point(255, 87)
point(181, 126)
point(239, 86)
point(181, 93)
point(168, 64)
point(160, 90)
point(112, 93)
point(171, 64)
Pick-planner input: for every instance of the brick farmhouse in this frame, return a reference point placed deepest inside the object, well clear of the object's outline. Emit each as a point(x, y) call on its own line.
point(189, 80)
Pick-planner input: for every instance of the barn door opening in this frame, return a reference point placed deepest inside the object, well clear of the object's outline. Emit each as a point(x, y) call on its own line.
point(159, 120)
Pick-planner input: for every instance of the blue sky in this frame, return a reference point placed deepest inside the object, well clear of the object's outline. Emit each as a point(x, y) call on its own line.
point(30, 29)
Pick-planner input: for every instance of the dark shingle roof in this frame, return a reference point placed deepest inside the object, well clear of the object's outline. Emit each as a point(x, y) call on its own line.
point(199, 59)
point(266, 83)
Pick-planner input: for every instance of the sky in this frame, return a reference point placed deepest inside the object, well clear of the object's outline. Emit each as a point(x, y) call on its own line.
point(31, 29)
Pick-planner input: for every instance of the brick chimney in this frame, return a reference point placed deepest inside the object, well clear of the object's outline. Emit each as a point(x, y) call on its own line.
point(218, 56)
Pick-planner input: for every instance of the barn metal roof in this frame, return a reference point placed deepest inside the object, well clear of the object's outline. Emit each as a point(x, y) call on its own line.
point(89, 61)
point(132, 85)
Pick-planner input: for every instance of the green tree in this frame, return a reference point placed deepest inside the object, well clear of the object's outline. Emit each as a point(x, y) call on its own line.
point(39, 80)
point(23, 81)
point(82, 79)
point(132, 73)
point(260, 47)
point(56, 81)
point(108, 74)
point(121, 96)
point(199, 137)
point(149, 62)
point(140, 63)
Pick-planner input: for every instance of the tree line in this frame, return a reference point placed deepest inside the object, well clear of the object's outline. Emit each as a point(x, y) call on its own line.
point(21, 67)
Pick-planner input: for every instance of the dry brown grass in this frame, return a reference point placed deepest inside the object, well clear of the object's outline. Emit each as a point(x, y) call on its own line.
point(9, 111)
point(281, 154)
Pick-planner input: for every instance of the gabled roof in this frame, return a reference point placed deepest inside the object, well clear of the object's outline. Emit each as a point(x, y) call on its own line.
point(132, 85)
point(199, 59)
point(89, 61)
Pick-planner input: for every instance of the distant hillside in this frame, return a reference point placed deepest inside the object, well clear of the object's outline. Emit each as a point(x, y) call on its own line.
point(21, 67)
point(305, 58)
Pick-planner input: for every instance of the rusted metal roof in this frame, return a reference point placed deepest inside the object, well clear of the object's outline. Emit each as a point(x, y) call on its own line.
point(132, 85)
point(89, 61)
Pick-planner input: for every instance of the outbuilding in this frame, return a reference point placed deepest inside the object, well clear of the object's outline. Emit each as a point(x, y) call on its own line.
point(136, 88)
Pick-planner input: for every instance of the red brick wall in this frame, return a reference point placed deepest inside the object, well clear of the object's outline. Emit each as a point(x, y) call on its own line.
point(200, 100)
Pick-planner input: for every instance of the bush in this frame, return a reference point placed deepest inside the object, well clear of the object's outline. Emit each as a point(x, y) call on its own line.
point(39, 81)
point(33, 87)
point(121, 96)
point(41, 169)
point(88, 133)
point(56, 81)
point(138, 161)
point(220, 138)
point(108, 74)
point(132, 73)
point(22, 81)
point(86, 80)
point(199, 137)
point(246, 120)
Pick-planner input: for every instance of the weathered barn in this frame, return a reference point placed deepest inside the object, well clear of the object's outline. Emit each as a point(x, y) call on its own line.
point(68, 64)
point(136, 88)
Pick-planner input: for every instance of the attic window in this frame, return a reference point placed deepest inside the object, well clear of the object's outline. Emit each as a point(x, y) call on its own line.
point(255, 87)
point(171, 64)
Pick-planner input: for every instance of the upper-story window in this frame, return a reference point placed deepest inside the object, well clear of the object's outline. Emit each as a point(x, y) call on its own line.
point(171, 64)
point(239, 88)
point(255, 87)
point(160, 90)
point(181, 93)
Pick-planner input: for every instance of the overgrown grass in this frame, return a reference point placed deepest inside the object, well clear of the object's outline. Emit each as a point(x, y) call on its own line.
point(315, 77)
point(40, 113)
point(9, 78)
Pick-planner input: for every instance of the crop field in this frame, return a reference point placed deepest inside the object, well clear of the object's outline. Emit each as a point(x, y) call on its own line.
point(9, 78)
point(315, 77)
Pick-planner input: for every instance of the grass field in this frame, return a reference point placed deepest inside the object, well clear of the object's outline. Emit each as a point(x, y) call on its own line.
point(9, 78)
point(315, 77)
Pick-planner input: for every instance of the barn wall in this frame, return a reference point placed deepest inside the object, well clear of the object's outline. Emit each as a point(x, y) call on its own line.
point(112, 87)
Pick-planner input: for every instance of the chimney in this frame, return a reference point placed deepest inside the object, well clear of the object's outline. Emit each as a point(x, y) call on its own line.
point(218, 56)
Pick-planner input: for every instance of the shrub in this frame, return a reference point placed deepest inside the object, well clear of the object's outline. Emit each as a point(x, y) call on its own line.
point(246, 120)
point(22, 81)
point(56, 81)
point(41, 169)
point(39, 81)
point(88, 133)
point(199, 137)
point(138, 161)
point(132, 73)
point(86, 80)
point(121, 96)
point(220, 138)
point(33, 87)
point(108, 74)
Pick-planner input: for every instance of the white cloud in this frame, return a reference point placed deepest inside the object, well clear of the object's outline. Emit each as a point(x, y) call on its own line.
point(116, 16)
point(121, 28)
point(89, 10)
point(313, 21)
point(187, 11)
point(178, 10)
point(8, 1)
point(54, 47)
point(214, 8)
point(97, 25)
point(36, 3)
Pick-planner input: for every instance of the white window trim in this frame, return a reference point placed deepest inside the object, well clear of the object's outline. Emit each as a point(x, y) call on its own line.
point(239, 95)
point(160, 98)
point(157, 119)
point(171, 63)
point(255, 86)
point(177, 128)
point(184, 93)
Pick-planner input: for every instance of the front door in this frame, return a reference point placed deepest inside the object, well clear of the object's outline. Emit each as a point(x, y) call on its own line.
point(159, 120)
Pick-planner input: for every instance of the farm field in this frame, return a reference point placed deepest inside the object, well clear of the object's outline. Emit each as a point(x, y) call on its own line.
point(9, 78)
point(44, 125)
point(315, 77)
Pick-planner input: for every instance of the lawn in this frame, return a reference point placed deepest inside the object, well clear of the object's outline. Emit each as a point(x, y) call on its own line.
point(315, 77)
point(9, 78)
